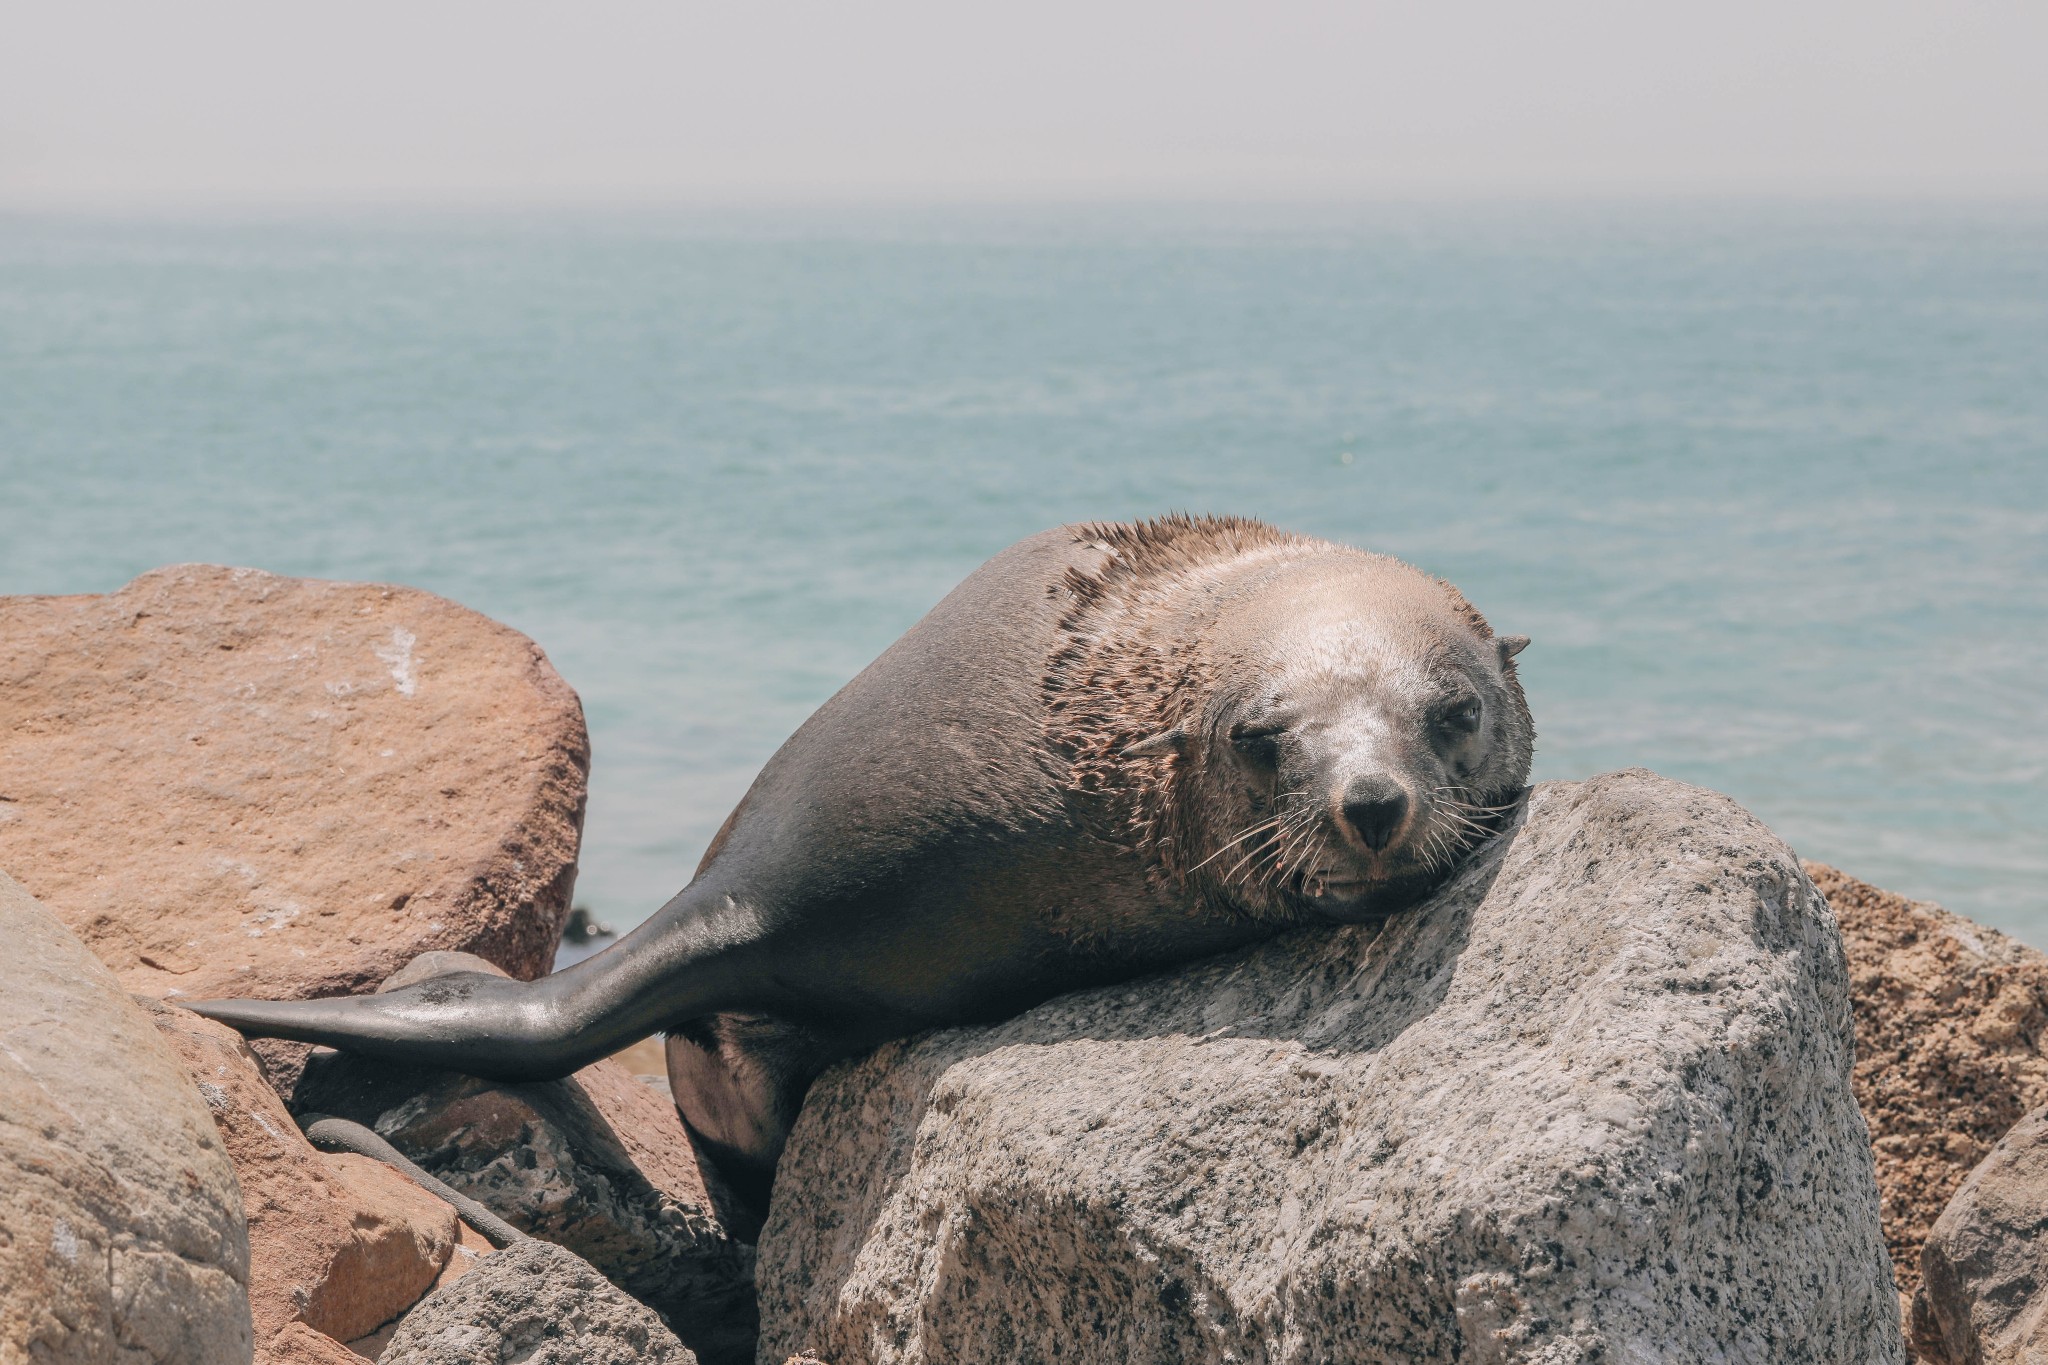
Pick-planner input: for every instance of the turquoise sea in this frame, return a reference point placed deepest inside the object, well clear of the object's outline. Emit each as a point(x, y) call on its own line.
point(1768, 484)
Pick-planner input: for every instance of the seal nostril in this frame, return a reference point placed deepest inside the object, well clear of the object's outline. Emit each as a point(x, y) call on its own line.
point(1375, 808)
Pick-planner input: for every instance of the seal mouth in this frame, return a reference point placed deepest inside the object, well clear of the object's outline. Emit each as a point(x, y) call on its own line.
point(1344, 897)
point(1347, 900)
point(1365, 895)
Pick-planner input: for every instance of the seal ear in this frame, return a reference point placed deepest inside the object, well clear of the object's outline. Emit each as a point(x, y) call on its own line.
point(1510, 645)
point(1165, 742)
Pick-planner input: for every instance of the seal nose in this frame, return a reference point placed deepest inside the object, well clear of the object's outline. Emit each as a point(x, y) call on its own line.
point(1375, 807)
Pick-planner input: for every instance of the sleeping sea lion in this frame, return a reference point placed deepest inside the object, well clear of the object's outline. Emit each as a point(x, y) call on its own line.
point(1112, 748)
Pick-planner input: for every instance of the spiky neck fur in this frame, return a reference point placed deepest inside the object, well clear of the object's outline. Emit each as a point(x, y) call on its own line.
point(1133, 662)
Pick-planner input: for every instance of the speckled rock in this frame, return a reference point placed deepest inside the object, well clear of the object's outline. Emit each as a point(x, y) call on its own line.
point(596, 1162)
point(338, 1242)
point(232, 783)
point(533, 1303)
point(1590, 1102)
point(1951, 1022)
point(121, 1232)
point(1983, 1297)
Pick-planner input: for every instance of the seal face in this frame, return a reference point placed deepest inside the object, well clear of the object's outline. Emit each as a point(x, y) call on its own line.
point(1111, 748)
point(1286, 727)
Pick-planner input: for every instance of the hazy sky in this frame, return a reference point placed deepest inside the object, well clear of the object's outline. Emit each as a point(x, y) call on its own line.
point(121, 102)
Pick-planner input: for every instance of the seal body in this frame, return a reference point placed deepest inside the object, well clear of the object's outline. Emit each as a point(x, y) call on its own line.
point(1113, 747)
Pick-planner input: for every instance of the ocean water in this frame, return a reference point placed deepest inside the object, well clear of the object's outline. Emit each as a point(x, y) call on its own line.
point(1768, 485)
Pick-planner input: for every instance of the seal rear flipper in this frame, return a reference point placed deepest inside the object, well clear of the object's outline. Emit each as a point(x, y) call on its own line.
point(470, 1022)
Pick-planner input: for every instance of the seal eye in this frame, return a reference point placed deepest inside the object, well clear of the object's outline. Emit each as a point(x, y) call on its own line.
point(1460, 717)
point(1260, 744)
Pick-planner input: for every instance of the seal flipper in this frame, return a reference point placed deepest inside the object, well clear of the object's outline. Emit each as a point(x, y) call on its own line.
point(697, 955)
point(471, 1022)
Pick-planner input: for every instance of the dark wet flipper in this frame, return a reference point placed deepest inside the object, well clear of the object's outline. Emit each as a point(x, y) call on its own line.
point(470, 1022)
point(700, 954)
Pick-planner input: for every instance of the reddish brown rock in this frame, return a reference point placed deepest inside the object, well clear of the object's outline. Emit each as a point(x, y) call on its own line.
point(232, 783)
point(470, 1248)
point(337, 1242)
point(1949, 1023)
point(298, 1344)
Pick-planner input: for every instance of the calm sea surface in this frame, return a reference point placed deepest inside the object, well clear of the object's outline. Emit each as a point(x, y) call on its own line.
point(1768, 485)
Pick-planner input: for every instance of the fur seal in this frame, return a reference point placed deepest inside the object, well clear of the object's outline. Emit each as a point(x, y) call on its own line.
point(1112, 748)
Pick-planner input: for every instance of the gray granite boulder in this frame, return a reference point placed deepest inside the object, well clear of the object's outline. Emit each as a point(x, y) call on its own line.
point(1983, 1296)
point(533, 1303)
point(121, 1230)
point(1590, 1102)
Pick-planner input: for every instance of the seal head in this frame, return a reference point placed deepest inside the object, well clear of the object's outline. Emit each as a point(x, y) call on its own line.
point(1284, 726)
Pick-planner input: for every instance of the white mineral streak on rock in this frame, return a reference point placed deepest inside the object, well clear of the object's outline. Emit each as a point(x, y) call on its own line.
point(1591, 1102)
point(398, 654)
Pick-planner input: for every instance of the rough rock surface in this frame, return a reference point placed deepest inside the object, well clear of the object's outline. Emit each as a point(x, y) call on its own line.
point(338, 1242)
point(596, 1162)
point(297, 1344)
point(471, 1247)
point(232, 783)
point(1983, 1299)
point(121, 1233)
point(535, 1304)
point(1950, 1022)
point(1590, 1102)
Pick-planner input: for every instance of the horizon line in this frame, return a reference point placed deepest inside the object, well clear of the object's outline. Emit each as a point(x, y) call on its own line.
point(490, 202)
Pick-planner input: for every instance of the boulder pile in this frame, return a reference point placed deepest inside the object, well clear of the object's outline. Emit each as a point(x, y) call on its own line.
point(1594, 1100)
point(338, 1243)
point(598, 1163)
point(1983, 1296)
point(225, 782)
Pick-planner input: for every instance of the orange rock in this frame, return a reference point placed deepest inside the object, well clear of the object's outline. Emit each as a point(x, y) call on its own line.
point(337, 1242)
point(231, 783)
point(1950, 1018)
point(298, 1344)
point(399, 1231)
